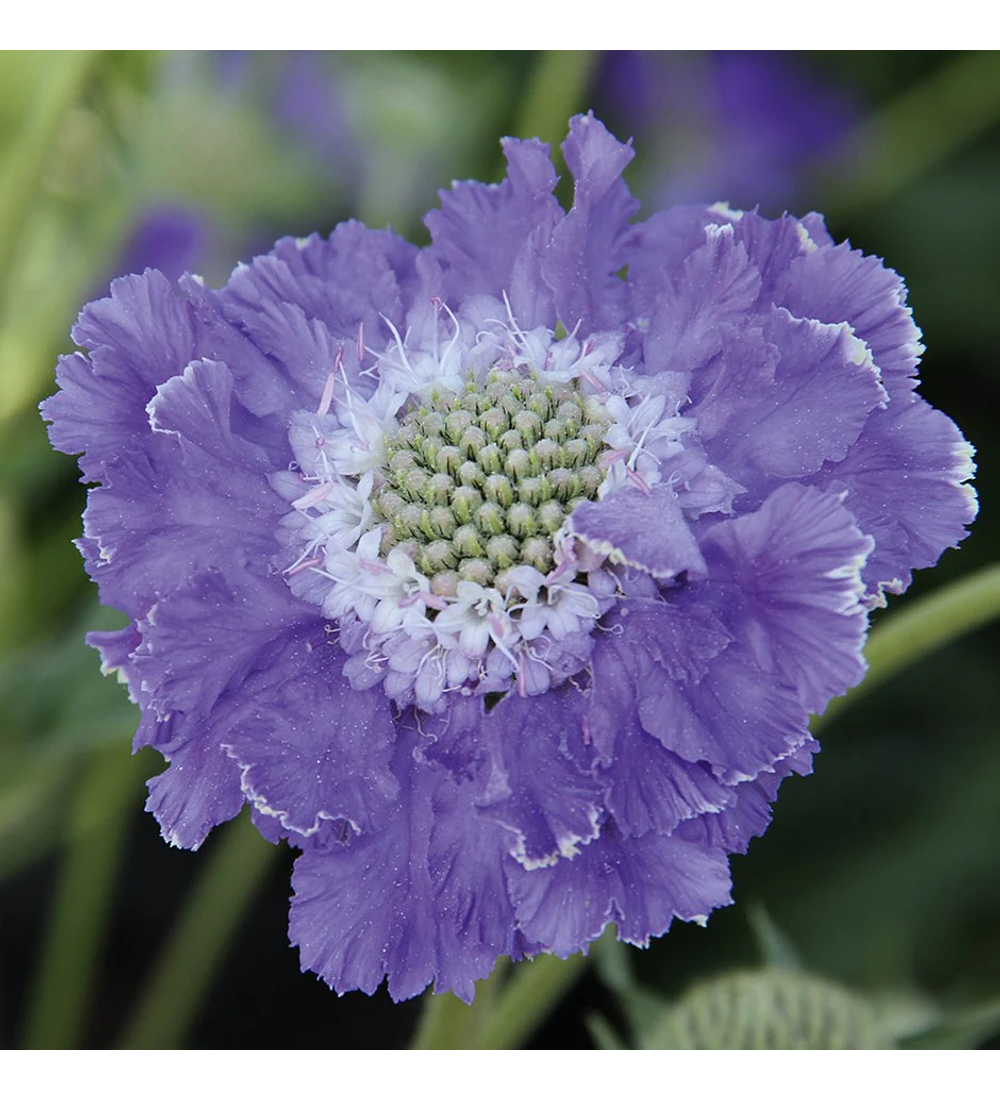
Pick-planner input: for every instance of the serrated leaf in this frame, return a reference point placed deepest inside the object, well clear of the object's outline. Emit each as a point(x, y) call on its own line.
point(768, 1009)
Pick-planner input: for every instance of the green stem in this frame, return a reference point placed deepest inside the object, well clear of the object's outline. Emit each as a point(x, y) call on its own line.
point(915, 131)
point(79, 915)
point(534, 989)
point(25, 158)
point(447, 1023)
point(924, 626)
point(506, 1009)
point(183, 974)
point(556, 90)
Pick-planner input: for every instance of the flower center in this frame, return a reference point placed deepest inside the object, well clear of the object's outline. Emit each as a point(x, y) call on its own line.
point(478, 482)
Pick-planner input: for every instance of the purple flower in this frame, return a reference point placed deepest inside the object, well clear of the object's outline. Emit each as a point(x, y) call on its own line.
point(746, 125)
point(500, 576)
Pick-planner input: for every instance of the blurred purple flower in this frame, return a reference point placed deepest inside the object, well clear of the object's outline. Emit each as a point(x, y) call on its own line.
point(501, 576)
point(746, 127)
point(171, 239)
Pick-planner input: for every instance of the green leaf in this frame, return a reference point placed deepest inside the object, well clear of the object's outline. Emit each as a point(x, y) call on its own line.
point(769, 1009)
point(604, 1035)
point(962, 1030)
point(773, 945)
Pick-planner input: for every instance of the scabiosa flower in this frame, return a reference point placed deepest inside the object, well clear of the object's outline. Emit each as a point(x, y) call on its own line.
point(500, 576)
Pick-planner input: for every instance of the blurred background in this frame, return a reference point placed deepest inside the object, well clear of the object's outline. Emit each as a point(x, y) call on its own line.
point(880, 874)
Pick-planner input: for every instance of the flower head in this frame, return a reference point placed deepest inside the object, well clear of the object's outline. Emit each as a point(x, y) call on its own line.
point(501, 576)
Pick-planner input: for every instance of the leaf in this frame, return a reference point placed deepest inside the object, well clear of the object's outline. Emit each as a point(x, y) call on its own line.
point(768, 1009)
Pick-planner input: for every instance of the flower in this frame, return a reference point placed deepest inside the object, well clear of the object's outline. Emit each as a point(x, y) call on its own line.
point(748, 125)
point(500, 576)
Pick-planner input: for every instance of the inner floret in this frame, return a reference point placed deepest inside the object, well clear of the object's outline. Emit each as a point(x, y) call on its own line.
point(430, 515)
point(477, 483)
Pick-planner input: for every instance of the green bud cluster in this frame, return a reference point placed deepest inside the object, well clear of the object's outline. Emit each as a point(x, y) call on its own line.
point(478, 482)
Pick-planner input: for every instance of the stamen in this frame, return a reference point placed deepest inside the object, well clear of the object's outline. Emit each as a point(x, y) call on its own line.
point(314, 496)
point(327, 399)
point(637, 479)
point(302, 566)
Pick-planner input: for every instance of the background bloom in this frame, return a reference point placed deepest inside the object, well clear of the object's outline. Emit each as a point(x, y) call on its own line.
point(750, 126)
point(500, 576)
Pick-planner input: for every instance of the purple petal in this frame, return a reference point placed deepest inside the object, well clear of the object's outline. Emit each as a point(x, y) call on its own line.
point(824, 387)
point(649, 787)
point(590, 244)
point(422, 899)
point(199, 790)
point(795, 567)
point(200, 639)
point(349, 280)
point(482, 231)
point(640, 883)
point(749, 812)
point(535, 790)
point(905, 480)
point(139, 337)
point(716, 286)
point(835, 285)
point(646, 530)
point(701, 698)
point(195, 496)
point(305, 748)
point(771, 246)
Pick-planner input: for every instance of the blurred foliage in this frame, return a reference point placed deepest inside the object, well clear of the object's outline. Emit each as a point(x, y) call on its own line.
point(881, 873)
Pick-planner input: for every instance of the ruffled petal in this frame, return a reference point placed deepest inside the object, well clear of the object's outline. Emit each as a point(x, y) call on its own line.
point(313, 749)
point(202, 786)
point(421, 900)
point(590, 244)
point(549, 805)
point(207, 635)
point(707, 700)
point(794, 567)
point(353, 278)
point(646, 530)
point(139, 337)
point(785, 398)
point(749, 811)
point(650, 789)
point(199, 790)
point(641, 884)
point(839, 284)
point(647, 786)
point(195, 495)
point(715, 287)
point(905, 481)
point(482, 231)
point(771, 246)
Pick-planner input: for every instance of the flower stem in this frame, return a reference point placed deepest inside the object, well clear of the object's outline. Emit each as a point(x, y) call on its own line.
point(450, 1024)
point(535, 987)
point(220, 898)
point(922, 627)
point(78, 918)
point(556, 90)
point(506, 1011)
point(916, 130)
point(66, 76)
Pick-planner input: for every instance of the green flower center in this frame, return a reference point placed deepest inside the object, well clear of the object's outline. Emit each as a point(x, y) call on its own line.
point(478, 482)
